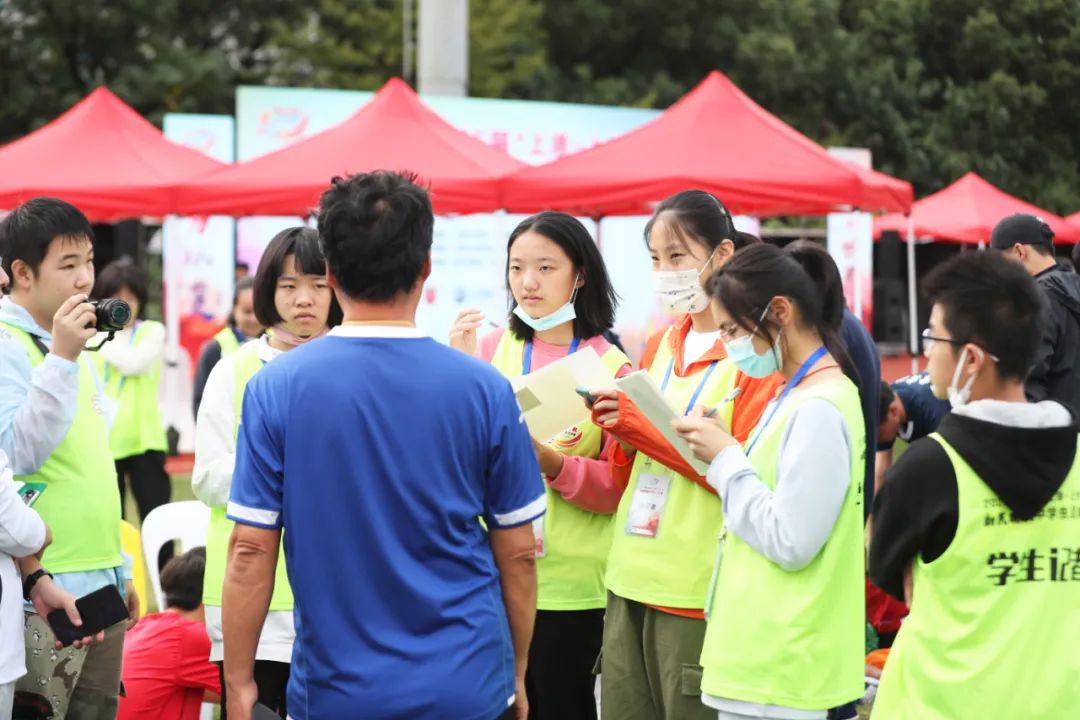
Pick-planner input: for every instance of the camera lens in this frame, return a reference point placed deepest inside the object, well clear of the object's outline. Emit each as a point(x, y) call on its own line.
point(112, 314)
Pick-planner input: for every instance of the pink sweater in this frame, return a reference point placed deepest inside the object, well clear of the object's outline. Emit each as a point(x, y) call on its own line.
point(585, 482)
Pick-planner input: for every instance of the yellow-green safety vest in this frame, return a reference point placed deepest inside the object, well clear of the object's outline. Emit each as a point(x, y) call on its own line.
point(793, 639)
point(994, 628)
point(137, 427)
point(672, 569)
point(570, 572)
point(246, 362)
point(226, 339)
point(82, 502)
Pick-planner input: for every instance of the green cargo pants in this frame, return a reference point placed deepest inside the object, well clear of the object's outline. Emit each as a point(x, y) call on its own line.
point(650, 667)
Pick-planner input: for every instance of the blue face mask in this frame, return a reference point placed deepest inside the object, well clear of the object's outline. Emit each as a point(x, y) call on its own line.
point(741, 352)
point(564, 314)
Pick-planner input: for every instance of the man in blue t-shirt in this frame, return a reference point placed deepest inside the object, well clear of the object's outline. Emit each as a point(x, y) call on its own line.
point(376, 449)
point(907, 411)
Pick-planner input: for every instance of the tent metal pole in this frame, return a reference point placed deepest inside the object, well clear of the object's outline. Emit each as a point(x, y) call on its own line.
point(913, 320)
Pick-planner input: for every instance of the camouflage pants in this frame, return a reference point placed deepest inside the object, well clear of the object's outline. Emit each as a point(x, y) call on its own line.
point(74, 684)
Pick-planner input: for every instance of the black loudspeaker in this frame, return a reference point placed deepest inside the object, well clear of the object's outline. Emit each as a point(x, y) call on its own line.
point(890, 311)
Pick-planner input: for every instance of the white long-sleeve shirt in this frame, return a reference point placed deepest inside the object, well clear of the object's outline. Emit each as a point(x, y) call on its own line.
point(790, 524)
point(131, 359)
point(22, 533)
point(211, 480)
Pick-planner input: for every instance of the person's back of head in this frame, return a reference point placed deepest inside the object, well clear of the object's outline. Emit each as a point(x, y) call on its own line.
point(376, 231)
point(182, 580)
point(984, 300)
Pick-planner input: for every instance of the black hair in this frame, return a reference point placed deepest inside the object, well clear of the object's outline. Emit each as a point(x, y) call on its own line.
point(303, 244)
point(242, 265)
point(990, 302)
point(884, 401)
point(121, 274)
point(376, 230)
point(245, 283)
point(699, 216)
point(596, 300)
point(182, 579)
point(1076, 257)
point(27, 232)
point(756, 274)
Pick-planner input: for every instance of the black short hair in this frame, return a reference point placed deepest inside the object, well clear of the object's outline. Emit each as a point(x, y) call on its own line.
point(303, 243)
point(596, 301)
point(699, 215)
point(991, 302)
point(884, 401)
point(27, 232)
point(182, 579)
point(1076, 257)
point(244, 283)
point(376, 231)
point(120, 274)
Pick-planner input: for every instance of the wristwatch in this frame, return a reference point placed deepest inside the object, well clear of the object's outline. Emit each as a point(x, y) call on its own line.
point(32, 580)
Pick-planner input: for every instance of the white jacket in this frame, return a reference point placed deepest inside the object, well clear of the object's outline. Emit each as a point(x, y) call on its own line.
point(22, 533)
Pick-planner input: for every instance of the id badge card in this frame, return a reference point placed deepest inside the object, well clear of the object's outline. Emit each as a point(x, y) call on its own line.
point(538, 536)
point(647, 504)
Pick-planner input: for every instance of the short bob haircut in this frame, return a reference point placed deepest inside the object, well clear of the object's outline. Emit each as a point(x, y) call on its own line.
point(596, 301)
point(28, 231)
point(117, 276)
point(303, 244)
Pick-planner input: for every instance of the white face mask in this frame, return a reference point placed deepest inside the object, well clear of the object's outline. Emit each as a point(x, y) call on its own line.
point(959, 396)
point(565, 313)
point(680, 291)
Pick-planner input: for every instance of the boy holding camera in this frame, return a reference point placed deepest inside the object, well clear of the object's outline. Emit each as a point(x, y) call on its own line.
point(53, 427)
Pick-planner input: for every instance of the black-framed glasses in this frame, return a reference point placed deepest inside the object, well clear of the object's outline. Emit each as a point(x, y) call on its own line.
point(929, 340)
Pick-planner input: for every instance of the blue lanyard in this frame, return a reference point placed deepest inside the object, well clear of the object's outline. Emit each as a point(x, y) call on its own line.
point(798, 377)
point(526, 360)
point(700, 387)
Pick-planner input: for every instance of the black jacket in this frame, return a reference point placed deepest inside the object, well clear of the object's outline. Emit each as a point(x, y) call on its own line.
point(916, 509)
point(1056, 373)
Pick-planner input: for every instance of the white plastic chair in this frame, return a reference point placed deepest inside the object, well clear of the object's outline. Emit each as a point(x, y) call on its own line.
point(186, 521)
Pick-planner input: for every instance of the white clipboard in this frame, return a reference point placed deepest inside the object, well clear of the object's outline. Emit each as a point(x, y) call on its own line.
point(646, 394)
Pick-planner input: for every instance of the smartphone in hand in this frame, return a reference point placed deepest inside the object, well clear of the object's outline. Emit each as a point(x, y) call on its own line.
point(99, 610)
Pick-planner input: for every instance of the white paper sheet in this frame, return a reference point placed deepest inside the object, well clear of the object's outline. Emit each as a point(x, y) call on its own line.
point(644, 392)
point(548, 396)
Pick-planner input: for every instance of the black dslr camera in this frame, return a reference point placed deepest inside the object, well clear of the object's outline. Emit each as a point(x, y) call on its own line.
point(111, 317)
point(112, 314)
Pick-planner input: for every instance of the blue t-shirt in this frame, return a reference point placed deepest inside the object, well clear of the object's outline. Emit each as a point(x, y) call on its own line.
point(924, 411)
point(376, 449)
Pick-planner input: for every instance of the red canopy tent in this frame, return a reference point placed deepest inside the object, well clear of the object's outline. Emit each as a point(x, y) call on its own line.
point(717, 139)
point(966, 212)
point(1074, 218)
point(102, 157)
point(395, 131)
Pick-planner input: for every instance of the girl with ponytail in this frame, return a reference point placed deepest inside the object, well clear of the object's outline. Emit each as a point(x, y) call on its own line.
point(784, 637)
